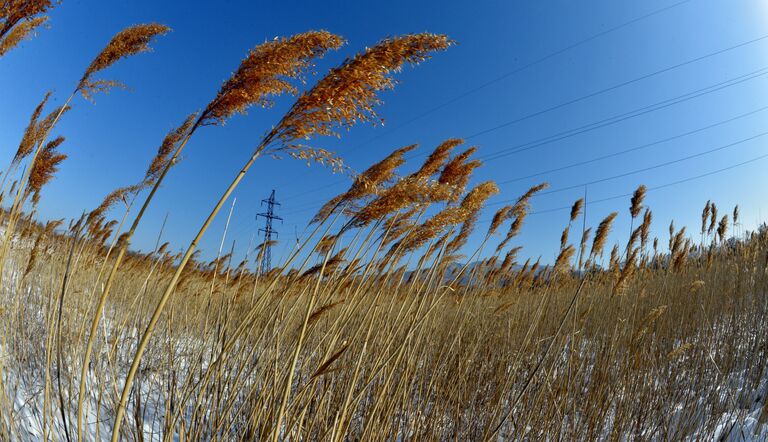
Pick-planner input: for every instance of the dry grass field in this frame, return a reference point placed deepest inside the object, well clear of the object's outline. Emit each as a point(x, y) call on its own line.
point(381, 324)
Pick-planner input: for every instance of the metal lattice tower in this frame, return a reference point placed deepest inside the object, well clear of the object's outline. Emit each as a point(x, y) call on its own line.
point(269, 216)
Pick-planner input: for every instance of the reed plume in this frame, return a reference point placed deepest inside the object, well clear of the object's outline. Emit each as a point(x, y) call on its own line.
point(50, 226)
point(461, 238)
point(366, 183)
point(645, 228)
point(637, 201)
point(29, 139)
point(677, 241)
point(583, 246)
point(509, 259)
point(498, 218)
point(514, 229)
point(563, 261)
point(457, 171)
point(576, 209)
point(20, 32)
point(518, 210)
point(45, 167)
point(722, 228)
point(614, 261)
point(681, 255)
point(712, 219)
point(19, 19)
point(705, 217)
point(130, 41)
point(162, 157)
point(267, 71)
point(348, 94)
point(626, 273)
point(437, 158)
point(601, 235)
point(452, 215)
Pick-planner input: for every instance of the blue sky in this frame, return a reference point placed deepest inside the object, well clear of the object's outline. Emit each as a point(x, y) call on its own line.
point(648, 75)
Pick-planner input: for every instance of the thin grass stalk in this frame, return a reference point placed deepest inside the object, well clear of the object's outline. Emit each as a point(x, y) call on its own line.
point(113, 272)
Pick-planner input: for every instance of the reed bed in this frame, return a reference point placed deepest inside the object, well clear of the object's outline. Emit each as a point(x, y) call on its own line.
point(382, 323)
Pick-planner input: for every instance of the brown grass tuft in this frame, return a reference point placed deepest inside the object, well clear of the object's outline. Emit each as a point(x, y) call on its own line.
point(130, 41)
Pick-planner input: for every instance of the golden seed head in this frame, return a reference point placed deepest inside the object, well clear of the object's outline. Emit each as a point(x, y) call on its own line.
point(601, 235)
point(20, 32)
point(348, 94)
point(712, 218)
point(637, 201)
point(160, 161)
point(130, 41)
point(267, 71)
point(563, 261)
point(31, 133)
point(366, 183)
point(45, 166)
point(705, 217)
point(437, 158)
point(457, 171)
point(576, 209)
point(722, 228)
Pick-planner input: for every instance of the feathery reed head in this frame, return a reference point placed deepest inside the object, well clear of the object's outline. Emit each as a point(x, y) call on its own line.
point(45, 166)
point(19, 19)
point(722, 228)
point(457, 172)
point(601, 234)
point(564, 237)
point(712, 218)
point(637, 201)
point(523, 203)
point(20, 32)
point(518, 210)
point(14, 11)
point(31, 133)
point(117, 195)
point(366, 183)
point(450, 216)
point(705, 217)
point(160, 161)
point(466, 229)
point(266, 72)
point(130, 41)
point(645, 228)
point(563, 261)
point(437, 158)
point(498, 218)
point(576, 209)
point(347, 94)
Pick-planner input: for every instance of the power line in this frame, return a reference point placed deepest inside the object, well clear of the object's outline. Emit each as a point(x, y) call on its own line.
point(492, 156)
point(614, 87)
point(622, 175)
point(523, 68)
point(603, 123)
point(505, 76)
point(651, 189)
point(501, 153)
point(636, 148)
point(644, 169)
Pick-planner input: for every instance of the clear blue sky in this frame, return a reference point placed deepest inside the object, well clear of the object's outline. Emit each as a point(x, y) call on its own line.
point(110, 143)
